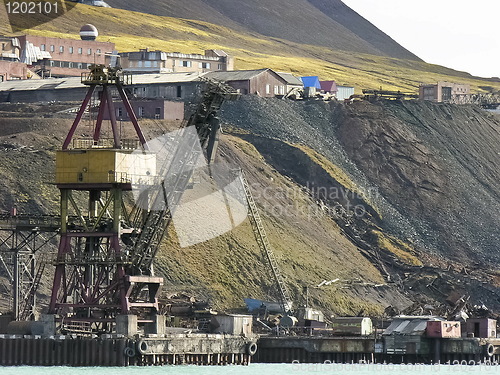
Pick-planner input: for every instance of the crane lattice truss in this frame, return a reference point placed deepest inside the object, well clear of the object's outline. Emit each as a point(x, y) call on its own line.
point(22, 239)
point(265, 246)
point(106, 252)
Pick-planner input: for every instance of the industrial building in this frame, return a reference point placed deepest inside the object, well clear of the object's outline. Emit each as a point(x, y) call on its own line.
point(261, 82)
point(158, 109)
point(178, 86)
point(56, 57)
point(293, 83)
point(344, 92)
point(10, 64)
point(32, 56)
point(146, 61)
point(444, 92)
point(329, 87)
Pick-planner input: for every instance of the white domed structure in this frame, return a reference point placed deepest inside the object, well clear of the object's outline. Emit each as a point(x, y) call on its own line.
point(88, 32)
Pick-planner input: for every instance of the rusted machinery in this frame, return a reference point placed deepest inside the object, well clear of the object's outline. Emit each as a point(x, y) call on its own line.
point(373, 95)
point(104, 261)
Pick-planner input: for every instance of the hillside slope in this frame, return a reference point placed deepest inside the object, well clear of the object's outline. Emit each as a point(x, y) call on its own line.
point(251, 50)
point(387, 197)
point(431, 168)
point(330, 24)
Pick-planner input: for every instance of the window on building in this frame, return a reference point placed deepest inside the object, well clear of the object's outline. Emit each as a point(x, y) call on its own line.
point(71, 65)
point(187, 64)
point(141, 112)
point(204, 65)
point(268, 89)
point(98, 51)
point(52, 63)
point(139, 64)
point(179, 91)
point(282, 90)
point(157, 113)
point(52, 48)
point(147, 64)
point(119, 112)
point(61, 49)
point(70, 49)
point(155, 64)
point(80, 51)
point(80, 66)
point(89, 51)
point(276, 90)
point(43, 47)
point(219, 66)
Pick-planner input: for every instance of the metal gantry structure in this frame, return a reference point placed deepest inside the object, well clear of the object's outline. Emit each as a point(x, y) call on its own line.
point(22, 239)
point(106, 251)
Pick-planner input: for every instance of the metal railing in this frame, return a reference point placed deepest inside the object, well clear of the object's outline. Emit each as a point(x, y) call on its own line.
point(99, 74)
point(104, 143)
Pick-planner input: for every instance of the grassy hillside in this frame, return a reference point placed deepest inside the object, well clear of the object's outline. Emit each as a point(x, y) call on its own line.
point(330, 24)
point(131, 31)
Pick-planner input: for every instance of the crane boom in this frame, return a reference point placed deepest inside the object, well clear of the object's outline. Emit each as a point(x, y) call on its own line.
point(153, 223)
point(265, 246)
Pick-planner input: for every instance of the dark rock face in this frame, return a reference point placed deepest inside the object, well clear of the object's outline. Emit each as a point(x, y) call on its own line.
point(434, 165)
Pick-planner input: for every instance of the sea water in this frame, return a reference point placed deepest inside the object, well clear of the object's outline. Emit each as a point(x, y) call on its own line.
point(262, 369)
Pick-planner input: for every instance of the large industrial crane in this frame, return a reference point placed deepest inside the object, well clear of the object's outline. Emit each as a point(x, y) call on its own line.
point(99, 275)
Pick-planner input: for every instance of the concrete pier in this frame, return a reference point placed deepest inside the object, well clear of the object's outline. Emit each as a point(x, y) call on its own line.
point(310, 349)
point(112, 350)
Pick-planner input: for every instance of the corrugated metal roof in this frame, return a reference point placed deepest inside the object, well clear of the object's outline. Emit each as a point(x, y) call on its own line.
point(328, 86)
point(290, 78)
point(75, 82)
point(409, 325)
point(31, 54)
point(311, 81)
point(220, 52)
point(235, 75)
point(140, 79)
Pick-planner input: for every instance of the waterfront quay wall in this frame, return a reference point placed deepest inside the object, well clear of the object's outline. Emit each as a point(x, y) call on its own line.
point(110, 350)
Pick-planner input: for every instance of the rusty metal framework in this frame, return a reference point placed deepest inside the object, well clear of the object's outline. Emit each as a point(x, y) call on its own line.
point(106, 251)
point(22, 261)
point(90, 285)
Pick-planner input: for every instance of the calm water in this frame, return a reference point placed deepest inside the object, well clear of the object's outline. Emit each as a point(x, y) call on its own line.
point(259, 369)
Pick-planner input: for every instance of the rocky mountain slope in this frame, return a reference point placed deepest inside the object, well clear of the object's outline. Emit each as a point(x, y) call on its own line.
point(335, 50)
point(397, 200)
point(431, 166)
point(311, 22)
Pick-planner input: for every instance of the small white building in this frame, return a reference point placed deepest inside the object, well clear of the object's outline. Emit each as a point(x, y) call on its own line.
point(234, 324)
point(344, 92)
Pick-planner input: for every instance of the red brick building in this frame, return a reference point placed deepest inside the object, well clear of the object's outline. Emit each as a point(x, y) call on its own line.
point(10, 70)
point(58, 57)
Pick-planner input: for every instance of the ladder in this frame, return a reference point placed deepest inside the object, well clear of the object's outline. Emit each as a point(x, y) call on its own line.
point(265, 246)
point(29, 303)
